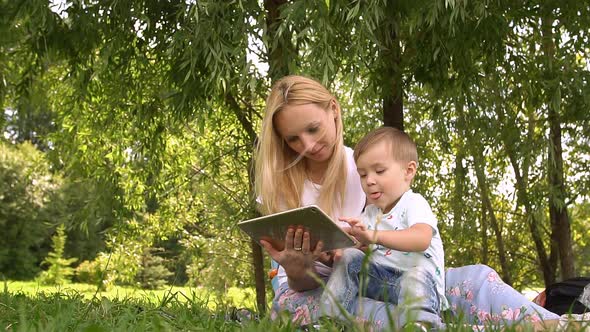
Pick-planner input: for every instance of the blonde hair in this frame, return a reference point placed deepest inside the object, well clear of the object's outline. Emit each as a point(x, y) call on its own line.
point(279, 174)
point(403, 147)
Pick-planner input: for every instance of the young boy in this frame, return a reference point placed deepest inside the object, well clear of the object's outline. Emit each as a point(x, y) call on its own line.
point(406, 260)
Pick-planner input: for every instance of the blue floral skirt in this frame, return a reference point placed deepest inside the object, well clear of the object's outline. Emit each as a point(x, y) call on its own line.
point(476, 294)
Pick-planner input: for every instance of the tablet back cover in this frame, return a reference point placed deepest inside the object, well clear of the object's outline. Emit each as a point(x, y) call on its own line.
point(273, 228)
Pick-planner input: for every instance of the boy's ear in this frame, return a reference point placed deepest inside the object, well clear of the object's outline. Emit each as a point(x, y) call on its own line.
point(411, 169)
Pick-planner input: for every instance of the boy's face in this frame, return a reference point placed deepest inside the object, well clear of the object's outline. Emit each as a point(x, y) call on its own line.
point(384, 179)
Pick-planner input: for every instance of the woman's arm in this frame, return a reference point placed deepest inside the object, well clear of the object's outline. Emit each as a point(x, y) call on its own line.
point(303, 281)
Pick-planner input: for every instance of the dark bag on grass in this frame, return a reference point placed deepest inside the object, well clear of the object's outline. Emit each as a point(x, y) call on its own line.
point(563, 297)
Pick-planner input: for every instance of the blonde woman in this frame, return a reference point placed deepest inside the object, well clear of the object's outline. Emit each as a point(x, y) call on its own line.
point(301, 160)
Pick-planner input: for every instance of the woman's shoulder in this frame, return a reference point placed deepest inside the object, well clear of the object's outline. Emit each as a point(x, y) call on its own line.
point(349, 151)
point(349, 156)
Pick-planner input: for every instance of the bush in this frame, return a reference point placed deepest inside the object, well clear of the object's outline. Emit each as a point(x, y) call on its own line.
point(152, 274)
point(28, 201)
point(88, 272)
point(59, 270)
point(93, 272)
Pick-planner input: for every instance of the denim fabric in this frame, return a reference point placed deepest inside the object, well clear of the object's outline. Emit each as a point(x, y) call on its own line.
point(414, 291)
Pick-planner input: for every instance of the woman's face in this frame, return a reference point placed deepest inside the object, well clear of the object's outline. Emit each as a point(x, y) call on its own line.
point(308, 129)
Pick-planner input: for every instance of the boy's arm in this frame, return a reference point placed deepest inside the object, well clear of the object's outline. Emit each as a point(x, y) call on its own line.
point(415, 238)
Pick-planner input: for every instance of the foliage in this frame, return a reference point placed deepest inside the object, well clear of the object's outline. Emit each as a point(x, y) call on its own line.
point(28, 198)
point(581, 214)
point(148, 111)
point(96, 272)
point(69, 311)
point(59, 270)
point(88, 272)
point(239, 297)
point(153, 273)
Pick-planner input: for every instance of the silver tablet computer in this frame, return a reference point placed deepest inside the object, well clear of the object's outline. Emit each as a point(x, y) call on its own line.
point(273, 228)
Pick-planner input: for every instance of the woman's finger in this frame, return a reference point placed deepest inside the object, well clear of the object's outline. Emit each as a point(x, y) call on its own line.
point(318, 249)
point(289, 238)
point(298, 239)
point(306, 245)
point(274, 254)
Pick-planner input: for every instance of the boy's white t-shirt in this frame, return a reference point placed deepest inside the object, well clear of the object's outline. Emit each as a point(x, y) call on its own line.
point(411, 209)
point(354, 202)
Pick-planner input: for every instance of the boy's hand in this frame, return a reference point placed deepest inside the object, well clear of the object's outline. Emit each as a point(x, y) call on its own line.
point(360, 231)
point(327, 258)
point(337, 254)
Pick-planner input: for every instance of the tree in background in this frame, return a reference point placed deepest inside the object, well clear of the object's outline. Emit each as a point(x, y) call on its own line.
point(59, 269)
point(154, 107)
point(29, 200)
point(153, 273)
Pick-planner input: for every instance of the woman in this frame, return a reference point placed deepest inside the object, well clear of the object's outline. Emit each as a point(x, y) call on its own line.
point(301, 160)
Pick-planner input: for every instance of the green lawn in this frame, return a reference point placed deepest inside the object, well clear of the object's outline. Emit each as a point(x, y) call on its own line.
point(27, 306)
point(236, 297)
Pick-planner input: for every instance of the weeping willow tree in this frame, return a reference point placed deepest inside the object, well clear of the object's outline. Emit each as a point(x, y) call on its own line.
point(156, 105)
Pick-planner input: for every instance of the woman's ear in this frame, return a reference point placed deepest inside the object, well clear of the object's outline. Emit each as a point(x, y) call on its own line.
point(335, 109)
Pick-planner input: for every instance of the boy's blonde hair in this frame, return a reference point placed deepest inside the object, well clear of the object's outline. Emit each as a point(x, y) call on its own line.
point(402, 146)
point(279, 174)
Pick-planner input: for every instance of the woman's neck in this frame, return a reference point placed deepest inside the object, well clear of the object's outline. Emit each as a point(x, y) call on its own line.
point(316, 171)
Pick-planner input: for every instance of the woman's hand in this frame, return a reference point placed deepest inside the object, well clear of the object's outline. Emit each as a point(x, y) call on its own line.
point(297, 258)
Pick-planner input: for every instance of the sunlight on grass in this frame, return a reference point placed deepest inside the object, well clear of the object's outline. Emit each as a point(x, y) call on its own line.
point(238, 297)
point(28, 306)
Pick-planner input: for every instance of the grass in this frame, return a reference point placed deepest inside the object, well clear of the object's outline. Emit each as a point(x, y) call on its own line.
point(237, 297)
point(71, 309)
point(27, 306)
point(71, 312)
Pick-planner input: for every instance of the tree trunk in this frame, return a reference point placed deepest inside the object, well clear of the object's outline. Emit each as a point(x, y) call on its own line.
point(280, 49)
point(460, 174)
point(279, 55)
point(487, 209)
point(390, 75)
point(560, 223)
point(485, 251)
point(393, 112)
point(257, 257)
point(487, 203)
point(547, 266)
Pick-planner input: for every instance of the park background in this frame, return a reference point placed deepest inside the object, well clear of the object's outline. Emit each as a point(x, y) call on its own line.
point(129, 127)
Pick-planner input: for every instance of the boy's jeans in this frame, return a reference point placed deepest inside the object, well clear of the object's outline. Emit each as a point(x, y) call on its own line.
point(414, 291)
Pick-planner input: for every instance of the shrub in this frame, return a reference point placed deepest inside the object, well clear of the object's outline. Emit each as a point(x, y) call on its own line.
point(152, 273)
point(59, 270)
point(28, 199)
point(88, 272)
point(93, 272)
